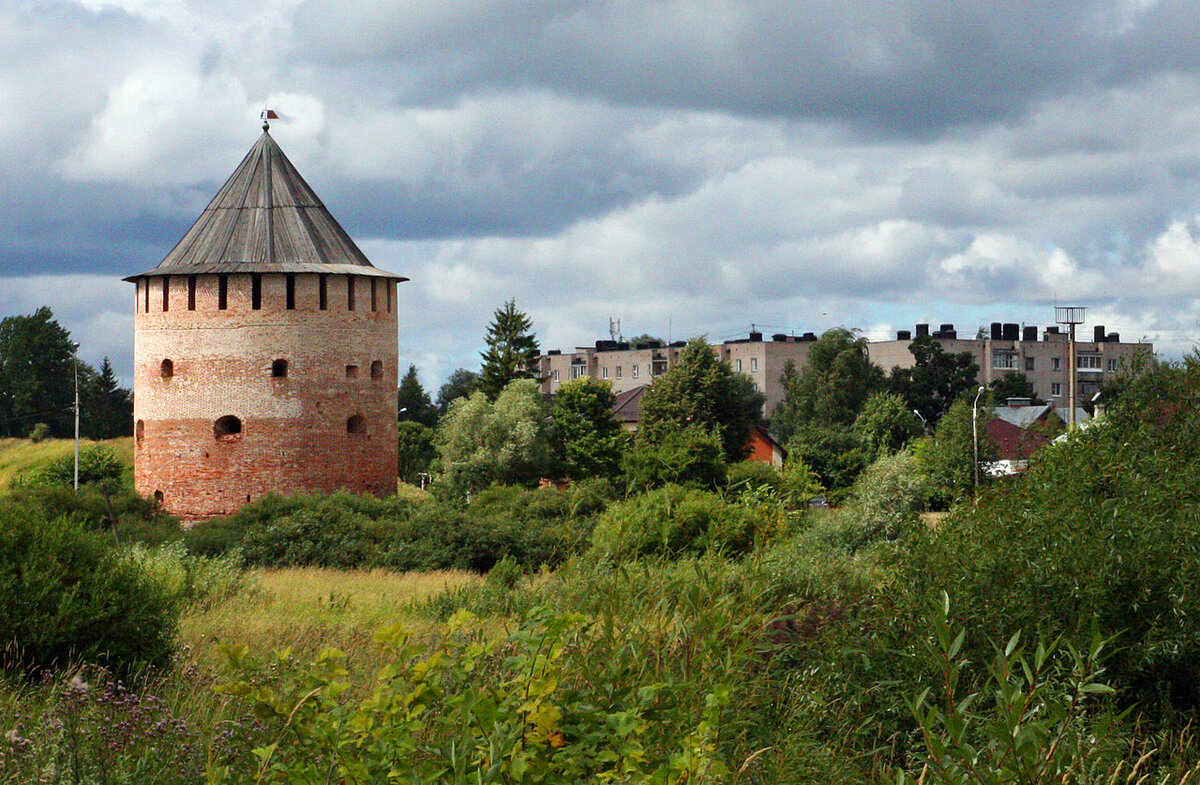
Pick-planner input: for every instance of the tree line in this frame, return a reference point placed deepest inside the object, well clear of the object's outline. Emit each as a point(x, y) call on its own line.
point(37, 384)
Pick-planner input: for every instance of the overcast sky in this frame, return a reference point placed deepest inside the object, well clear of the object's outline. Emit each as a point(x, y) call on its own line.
point(687, 167)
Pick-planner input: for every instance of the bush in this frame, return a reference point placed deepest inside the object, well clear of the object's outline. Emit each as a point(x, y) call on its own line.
point(885, 500)
point(110, 505)
point(96, 463)
point(688, 456)
point(69, 597)
point(40, 432)
point(673, 521)
point(189, 579)
point(325, 535)
point(749, 475)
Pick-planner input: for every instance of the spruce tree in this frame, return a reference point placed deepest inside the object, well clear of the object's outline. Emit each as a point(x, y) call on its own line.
point(512, 351)
point(106, 408)
point(413, 403)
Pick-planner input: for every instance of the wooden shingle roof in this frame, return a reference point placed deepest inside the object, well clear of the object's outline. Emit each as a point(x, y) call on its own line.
point(266, 219)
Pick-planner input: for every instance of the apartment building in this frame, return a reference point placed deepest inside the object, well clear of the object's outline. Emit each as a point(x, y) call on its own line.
point(627, 366)
point(1042, 356)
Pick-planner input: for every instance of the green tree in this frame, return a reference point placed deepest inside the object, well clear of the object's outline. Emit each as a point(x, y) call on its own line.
point(36, 374)
point(512, 350)
point(481, 442)
point(691, 455)
point(948, 457)
point(699, 390)
point(1011, 385)
point(460, 384)
point(416, 450)
point(412, 402)
point(936, 379)
point(106, 408)
point(588, 440)
point(836, 381)
point(885, 425)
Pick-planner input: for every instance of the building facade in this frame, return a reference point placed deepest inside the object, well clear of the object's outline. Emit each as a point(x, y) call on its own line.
point(265, 352)
point(1042, 356)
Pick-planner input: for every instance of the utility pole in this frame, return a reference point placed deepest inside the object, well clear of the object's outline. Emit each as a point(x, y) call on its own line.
point(1070, 315)
point(75, 358)
point(975, 434)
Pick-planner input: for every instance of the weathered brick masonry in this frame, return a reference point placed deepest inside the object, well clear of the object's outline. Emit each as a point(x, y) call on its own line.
point(265, 353)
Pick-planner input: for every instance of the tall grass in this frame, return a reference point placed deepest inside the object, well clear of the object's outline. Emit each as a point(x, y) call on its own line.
point(20, 456)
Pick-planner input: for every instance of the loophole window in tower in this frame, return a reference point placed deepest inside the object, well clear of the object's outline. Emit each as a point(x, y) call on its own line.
point(351, 371)
point(279, 369)
point(139, 431)
point(356, 424)
point(227, 428)
point(377, 370)
point(167, 369)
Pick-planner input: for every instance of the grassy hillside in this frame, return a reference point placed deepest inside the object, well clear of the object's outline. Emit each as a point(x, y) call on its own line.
point(18, 456)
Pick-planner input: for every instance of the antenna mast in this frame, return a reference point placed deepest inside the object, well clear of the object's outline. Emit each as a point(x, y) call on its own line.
point(1070, 315)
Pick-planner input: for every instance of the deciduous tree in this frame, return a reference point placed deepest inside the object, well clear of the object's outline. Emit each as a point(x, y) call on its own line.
point(588, 440)
point(836, 381)
point(36, 374)
point(936, 380)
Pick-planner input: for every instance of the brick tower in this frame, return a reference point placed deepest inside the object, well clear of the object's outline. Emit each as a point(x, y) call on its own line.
point(265, 351)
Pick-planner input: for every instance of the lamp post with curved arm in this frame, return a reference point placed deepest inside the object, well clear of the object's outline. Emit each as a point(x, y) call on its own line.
point(975, 433)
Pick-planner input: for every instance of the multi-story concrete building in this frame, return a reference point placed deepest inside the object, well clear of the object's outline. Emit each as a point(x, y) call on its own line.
point(1011, 348)
point(1042, 358)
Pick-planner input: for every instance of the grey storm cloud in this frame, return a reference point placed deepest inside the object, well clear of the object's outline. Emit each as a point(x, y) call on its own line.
point(690, 167)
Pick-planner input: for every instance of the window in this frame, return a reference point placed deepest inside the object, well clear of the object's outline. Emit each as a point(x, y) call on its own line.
point(377, 369)
point(158, 497)
point(255, 291)
point(635, 371)
point(291, 291)
point(1055, 389)
point(737, 366)
point(356, 424)
point(166, 292)
point(387, 288)
point(139, 431)
point(658, 367)
point(1055, 364)
point(222, 292)
point(1004, 360)
point(1029, 363)
point(604, 372)
point(322, 292)
point(351, 371)
point(1089, 362)
point(279, 369)
point(191, 292)
point(556, 375)
point(1089, 388)
point(374, 307)
point(1110, 365)
point(167, 369)
point(618, 372)
point(146, 294)
point(350, 292)
point(227, 428)
point(753, 364)
point(578, 371)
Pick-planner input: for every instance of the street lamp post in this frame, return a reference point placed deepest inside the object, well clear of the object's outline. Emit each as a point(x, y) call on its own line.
point(975, 434)
point(75, 358)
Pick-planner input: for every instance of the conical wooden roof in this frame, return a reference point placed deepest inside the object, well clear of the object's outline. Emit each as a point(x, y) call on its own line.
point(266, 219)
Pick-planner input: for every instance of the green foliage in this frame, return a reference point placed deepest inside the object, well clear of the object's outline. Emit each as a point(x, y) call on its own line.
point(413, 403)
point(1011, 385)
point(936, 380)
point(700, 390)
point(832, 452)
point(327, 534)
point(188, 579)
point(948, 458)
point(70, 597)
point(799, 484)
point(469, 711)
point(105, 407)
point(684, 456)
point(96, 464)
point(109, 505)
point(885, 500)
point(1040, 716)
point(40, 433)
point(673, 521)
point(512, 351)
point(459, 384)
point(885, 425)
point(837, 379)
point(416, 451)
point(588, 440)
point(745, 476)
point(36, 372)
point(480, 442)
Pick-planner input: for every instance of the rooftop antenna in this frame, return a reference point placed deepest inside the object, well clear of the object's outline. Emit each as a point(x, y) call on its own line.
point(614, 330)
point(1070, 315)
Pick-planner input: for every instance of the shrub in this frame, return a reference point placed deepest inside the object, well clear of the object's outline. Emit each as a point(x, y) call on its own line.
point(110, 505)
point(687, 456)
point(885, 500)
point(672, 521)
point(70, 597)
point(189, 579)
point(40, 432)
point(96, 463)
point(326, 535)
point(749, 475)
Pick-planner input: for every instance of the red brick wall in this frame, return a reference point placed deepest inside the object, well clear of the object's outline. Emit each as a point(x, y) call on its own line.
point(294, 435)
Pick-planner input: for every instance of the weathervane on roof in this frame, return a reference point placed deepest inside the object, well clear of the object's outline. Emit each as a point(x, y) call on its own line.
point(268, 114)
